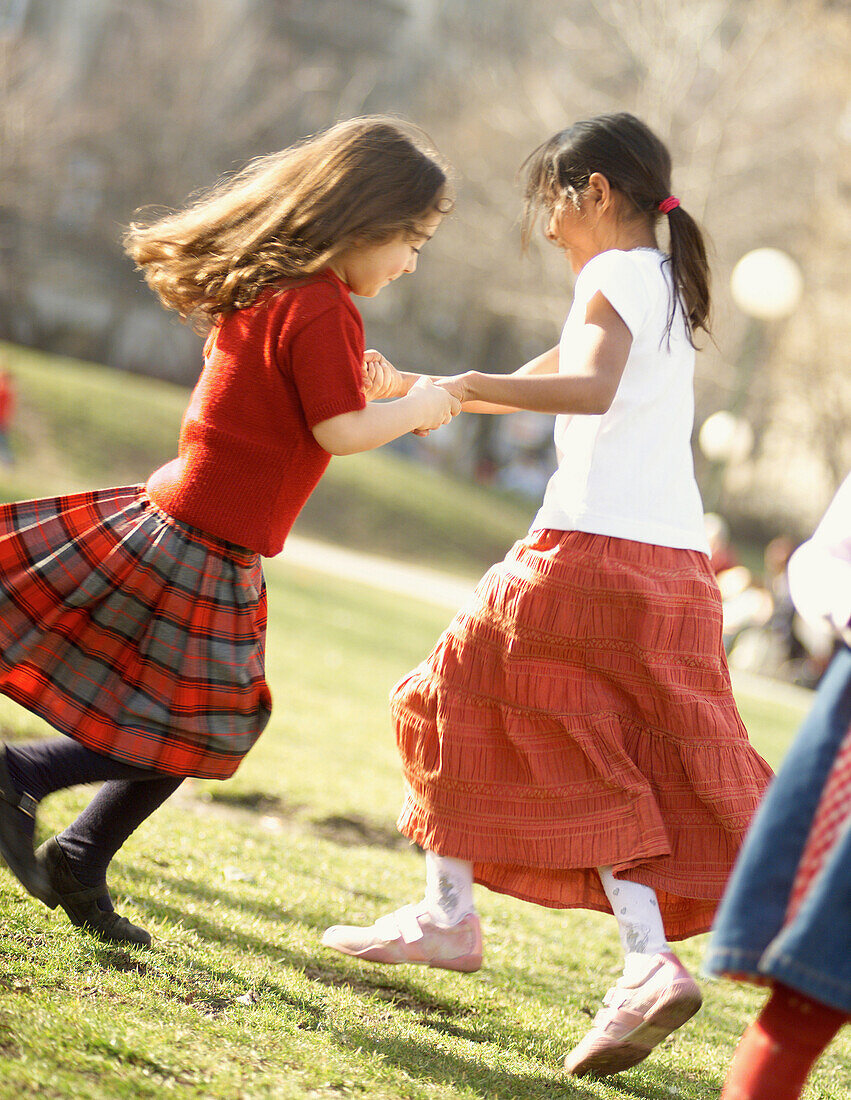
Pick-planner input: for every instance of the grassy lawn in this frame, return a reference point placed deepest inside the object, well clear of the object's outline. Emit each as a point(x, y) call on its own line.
point(236, 881)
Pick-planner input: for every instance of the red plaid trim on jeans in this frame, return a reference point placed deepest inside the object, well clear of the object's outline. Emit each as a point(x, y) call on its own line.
point(829, 820)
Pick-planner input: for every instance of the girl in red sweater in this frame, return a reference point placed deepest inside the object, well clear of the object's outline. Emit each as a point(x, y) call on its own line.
point(133, 619)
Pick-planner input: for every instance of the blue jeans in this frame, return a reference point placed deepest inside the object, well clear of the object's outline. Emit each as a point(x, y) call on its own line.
point(813, 952)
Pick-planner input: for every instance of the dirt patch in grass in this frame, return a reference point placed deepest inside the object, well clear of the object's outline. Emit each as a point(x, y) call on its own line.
point(258, 802)
point(352, 830)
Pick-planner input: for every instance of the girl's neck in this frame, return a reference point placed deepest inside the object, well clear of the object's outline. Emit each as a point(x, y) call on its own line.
point(628, 235)
point(623, 236)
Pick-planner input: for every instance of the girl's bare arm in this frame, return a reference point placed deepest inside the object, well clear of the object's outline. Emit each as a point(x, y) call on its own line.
point(424, 407)
point(545, 364)
point(587, 386)
point(383, 380)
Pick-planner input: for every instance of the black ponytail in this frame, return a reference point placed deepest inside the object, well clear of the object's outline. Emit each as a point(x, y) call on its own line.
point(690, 270)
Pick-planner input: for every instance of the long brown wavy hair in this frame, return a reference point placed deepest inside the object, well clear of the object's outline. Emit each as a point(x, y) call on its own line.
point(289, 214)
point(638, 165)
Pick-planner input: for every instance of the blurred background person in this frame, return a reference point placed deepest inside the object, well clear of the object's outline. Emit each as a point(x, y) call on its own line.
point(7, 410)
point(785, 920)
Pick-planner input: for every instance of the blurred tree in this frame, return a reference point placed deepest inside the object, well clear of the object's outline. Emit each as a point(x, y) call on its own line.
point(751, 98)
point(107, 106)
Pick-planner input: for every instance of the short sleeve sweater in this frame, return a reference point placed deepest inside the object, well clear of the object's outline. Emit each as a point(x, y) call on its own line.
point(629, 473)
point(247, 458)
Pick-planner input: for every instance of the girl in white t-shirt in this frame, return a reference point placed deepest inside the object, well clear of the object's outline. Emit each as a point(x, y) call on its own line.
point(573, 739)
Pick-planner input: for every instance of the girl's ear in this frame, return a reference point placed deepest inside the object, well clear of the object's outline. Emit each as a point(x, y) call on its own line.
point(598, 194)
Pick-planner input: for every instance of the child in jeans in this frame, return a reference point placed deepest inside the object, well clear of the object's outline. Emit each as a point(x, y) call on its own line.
point(785, 920)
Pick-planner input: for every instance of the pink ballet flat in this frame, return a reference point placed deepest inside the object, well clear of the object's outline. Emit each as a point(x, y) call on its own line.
point(410, 935)
point(637, 1017)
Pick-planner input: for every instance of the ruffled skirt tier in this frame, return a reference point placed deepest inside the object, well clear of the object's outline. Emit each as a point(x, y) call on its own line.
point(578, 713)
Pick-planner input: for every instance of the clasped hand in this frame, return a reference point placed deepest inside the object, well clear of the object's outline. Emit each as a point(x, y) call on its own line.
point(382, 380)
point(456, 385)
point(380, 377)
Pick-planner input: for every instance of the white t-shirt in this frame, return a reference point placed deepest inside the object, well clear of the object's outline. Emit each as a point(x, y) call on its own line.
point(630, 472)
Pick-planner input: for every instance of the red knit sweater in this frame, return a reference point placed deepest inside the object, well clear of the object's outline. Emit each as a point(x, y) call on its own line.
point(247, 459)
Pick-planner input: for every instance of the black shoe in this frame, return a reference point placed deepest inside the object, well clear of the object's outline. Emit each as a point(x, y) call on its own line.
point(17, 817)
point(81, 902)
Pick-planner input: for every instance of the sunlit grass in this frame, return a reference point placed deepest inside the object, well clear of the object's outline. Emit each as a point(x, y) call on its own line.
point(237, 880)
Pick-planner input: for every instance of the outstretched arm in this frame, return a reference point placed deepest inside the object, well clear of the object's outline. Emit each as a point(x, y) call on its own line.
point(587, 384)
point(423, 408)
point(541, 364)
point(382, 379)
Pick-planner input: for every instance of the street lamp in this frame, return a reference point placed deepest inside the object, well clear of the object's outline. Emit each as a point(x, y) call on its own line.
point(766, 285)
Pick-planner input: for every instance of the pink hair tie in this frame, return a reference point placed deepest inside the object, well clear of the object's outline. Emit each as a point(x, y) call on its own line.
point(669, 204)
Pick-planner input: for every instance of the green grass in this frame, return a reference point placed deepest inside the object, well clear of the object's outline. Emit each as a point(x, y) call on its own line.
point(237, 880)
point(237, 999)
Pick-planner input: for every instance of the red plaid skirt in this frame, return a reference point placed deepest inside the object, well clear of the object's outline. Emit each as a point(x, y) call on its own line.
point(136, 635)
point(578, 714)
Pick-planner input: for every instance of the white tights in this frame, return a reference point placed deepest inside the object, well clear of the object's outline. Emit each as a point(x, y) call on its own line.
point(449, 888)
point(636, 910)
point(449, 898)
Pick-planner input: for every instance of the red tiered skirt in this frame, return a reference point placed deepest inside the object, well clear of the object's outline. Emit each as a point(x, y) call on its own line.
point(578, 714)
point(136, 635)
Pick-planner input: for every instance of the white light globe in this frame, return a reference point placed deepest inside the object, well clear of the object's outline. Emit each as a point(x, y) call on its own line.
point(724, 437)
point(766, 284)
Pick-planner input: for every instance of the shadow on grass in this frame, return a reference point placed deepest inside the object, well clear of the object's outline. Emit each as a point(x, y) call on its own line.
point(257, 802)
point(348, 830)
point(426, 1063)
point(429, 1064)
point(111, 958)
point(352, 830)
point(666, 1081)
point(331, 974)
point(194, 987)
point(441, 1015)
point(214, 987)
point(447, 1017)
point(318, 920)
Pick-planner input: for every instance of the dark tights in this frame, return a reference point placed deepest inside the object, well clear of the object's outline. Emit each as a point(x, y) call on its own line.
point(116, 811)
point(128, 796)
